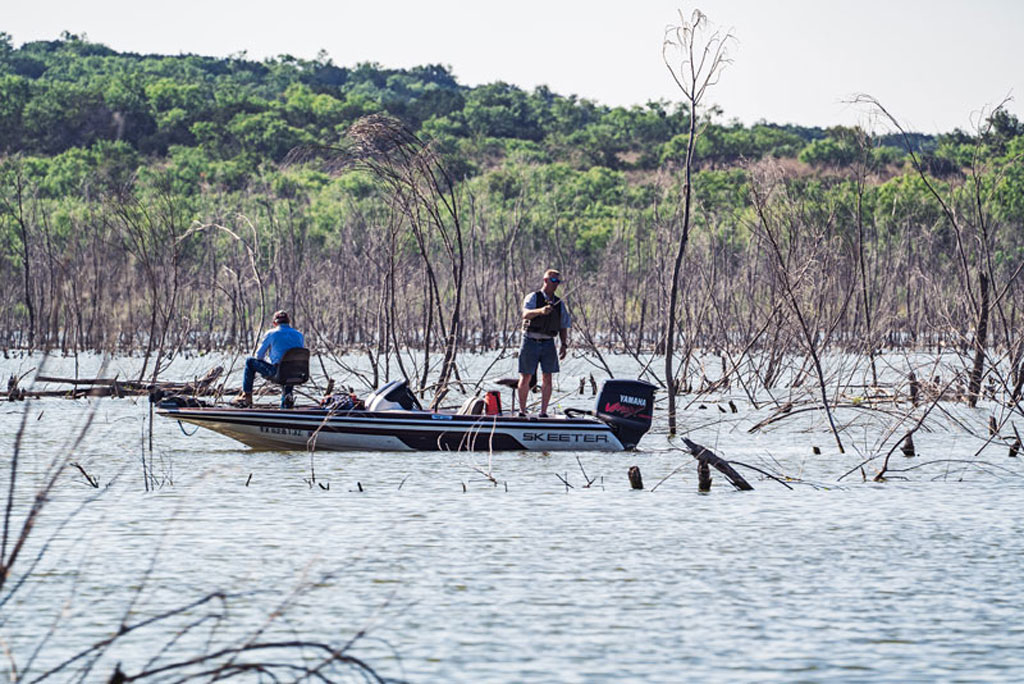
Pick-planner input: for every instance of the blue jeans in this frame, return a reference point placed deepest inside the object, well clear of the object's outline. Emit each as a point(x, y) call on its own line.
point(534, 351)
point(267, 370)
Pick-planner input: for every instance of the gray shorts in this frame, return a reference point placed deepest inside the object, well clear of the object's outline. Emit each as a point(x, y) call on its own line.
point(534, 351)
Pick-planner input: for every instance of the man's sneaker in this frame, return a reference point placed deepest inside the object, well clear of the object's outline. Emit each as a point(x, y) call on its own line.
point(542, 415)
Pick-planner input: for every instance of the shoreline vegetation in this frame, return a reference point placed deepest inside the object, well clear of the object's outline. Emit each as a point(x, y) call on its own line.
point(155, 204)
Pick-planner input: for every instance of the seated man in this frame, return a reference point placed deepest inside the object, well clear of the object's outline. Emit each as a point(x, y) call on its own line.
point(275, 343)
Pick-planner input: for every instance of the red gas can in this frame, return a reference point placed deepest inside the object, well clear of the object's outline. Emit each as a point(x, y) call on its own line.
point(493, 401)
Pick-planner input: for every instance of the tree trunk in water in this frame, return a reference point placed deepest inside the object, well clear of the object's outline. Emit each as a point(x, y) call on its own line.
point(23, 229)
point(974, 389)
point(670, 382)
point(428, 323)
point(28, 290)
point(864, 285)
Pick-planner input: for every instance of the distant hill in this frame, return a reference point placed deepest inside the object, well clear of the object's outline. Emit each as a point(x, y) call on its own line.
point(70, 93)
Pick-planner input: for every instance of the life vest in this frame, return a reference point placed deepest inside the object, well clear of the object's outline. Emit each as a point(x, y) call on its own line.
point(549, 324)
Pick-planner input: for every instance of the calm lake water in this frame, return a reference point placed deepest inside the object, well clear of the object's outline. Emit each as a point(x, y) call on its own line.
point(455, 578)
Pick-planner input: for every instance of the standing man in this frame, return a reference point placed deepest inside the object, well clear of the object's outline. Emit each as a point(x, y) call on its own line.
point(276, 342)
point(545, 316)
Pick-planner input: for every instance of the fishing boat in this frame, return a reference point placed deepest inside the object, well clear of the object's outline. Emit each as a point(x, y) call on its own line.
point(392, 419)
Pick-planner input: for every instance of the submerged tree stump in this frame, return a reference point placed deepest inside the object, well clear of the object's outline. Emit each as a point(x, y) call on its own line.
point(635, 480)
point(908, 446)
point(703, 476)
point(14, 392)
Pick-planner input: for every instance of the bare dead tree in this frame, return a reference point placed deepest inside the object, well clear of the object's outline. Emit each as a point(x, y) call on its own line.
point(970, 225)
point(695, 55)
point(860, 181)
point(420, 184)
point(14, 210)
point(764, 191)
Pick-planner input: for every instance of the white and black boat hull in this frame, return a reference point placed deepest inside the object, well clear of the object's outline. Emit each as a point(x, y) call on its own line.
point(319, 429)
point(395, 421)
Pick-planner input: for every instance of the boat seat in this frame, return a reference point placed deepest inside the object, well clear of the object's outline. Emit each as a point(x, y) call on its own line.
point(474, 406)
point(293, 368)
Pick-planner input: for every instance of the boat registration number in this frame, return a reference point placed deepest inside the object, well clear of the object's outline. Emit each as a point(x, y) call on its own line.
point(284, 431)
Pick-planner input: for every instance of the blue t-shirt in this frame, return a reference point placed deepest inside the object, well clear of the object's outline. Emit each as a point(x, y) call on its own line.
point(279, 340)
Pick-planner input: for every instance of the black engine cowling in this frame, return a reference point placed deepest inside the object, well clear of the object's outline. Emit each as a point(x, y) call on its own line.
point(627, 406)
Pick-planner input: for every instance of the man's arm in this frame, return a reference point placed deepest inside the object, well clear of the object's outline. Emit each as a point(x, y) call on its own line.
point(529, 314)
point(566, 323)
point(264, 347)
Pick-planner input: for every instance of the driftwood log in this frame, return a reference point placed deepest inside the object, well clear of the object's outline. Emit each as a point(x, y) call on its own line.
point(705, 457)
point(112, 387)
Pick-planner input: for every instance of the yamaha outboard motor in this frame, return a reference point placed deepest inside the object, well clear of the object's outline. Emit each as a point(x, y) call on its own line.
point(626, 406)
point(394, 396)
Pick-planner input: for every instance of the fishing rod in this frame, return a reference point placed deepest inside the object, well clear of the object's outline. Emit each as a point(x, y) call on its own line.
point(578, 285)
point(571, 290)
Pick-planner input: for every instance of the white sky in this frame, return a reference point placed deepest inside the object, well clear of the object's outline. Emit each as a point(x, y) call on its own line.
point(932, 63)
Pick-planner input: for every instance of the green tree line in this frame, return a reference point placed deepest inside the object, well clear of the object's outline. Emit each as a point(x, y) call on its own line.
point(69, 93)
